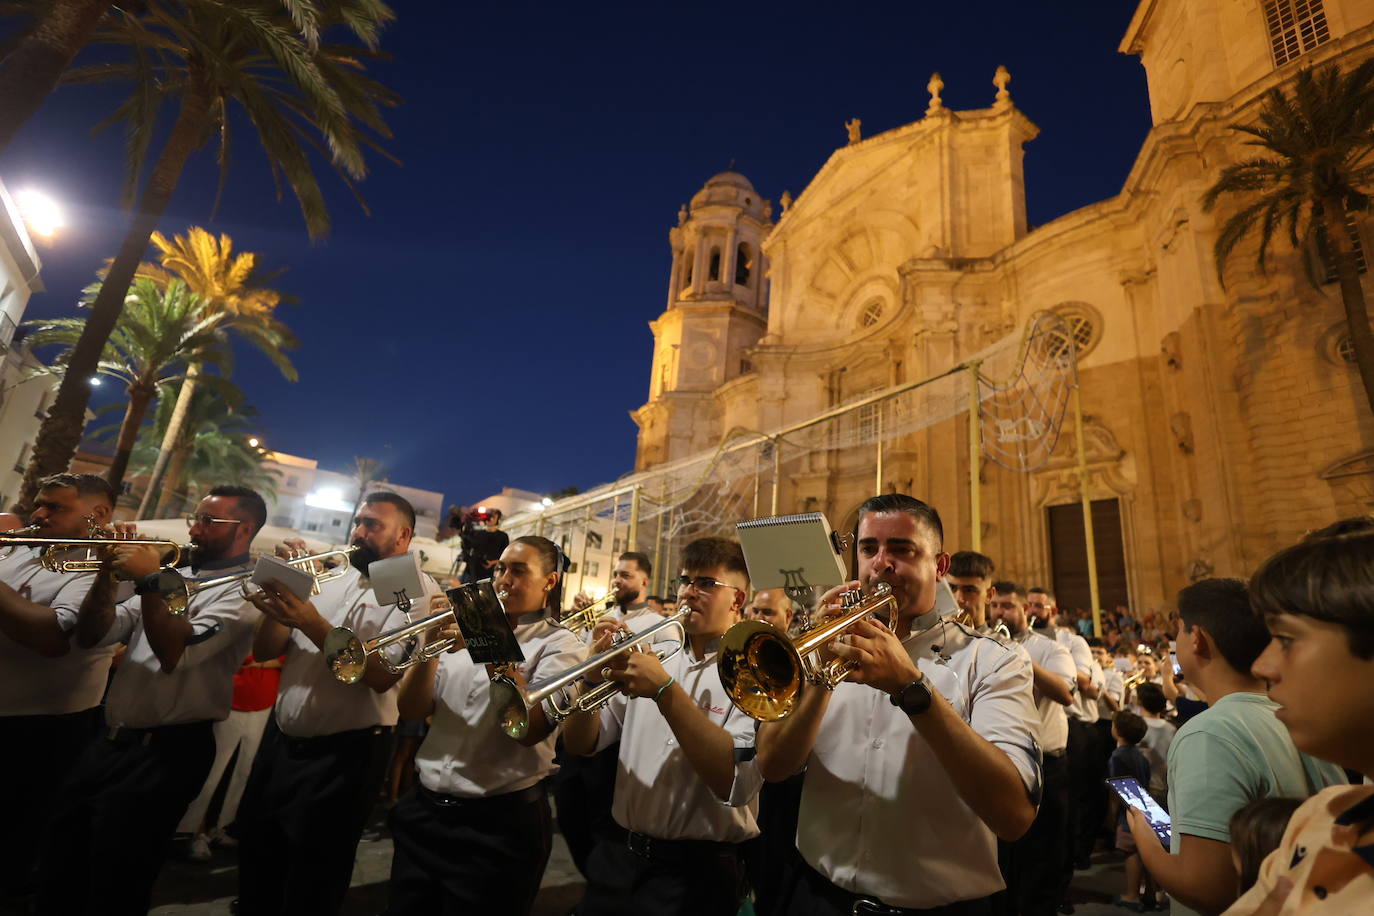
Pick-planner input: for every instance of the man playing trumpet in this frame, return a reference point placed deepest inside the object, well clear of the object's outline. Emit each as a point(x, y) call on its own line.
point(923, 759)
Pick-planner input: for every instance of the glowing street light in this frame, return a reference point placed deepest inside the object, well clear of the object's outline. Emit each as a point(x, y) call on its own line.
point(546, 502)
point(40, 212)
point(253, 442)
point(95, 381)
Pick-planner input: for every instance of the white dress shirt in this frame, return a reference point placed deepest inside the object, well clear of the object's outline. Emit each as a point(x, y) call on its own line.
point(1092, 705)
point(312, 702)
point(466, 753)
point(657, 793)
point(879, 814)
point(201, 686)
point(32, 684)
point(1054, 658)
point(1083, 661)
point(1114, 686)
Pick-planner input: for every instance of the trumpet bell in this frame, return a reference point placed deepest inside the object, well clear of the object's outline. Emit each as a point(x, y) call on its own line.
point(345, 655)
point(761, 670)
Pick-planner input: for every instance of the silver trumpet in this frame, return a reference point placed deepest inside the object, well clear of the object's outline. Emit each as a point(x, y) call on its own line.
point(516, 702)
point(181, 590)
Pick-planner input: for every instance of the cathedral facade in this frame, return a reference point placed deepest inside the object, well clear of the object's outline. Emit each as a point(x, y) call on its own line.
point(1221, 420)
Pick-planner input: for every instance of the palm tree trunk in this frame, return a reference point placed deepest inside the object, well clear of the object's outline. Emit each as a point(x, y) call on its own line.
point(62, 427)
point(139, 398)
point(151, 496)
point(32, 69)
point(1352, 294)
point(174, 484)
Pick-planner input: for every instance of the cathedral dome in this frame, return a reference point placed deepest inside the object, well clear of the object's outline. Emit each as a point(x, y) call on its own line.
point(731, 189)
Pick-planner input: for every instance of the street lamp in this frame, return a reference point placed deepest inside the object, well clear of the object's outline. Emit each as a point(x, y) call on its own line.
point(41, 213)
point(253, 442)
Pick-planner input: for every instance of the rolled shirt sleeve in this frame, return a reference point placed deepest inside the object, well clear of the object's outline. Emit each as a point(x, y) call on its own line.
point(1002, 711)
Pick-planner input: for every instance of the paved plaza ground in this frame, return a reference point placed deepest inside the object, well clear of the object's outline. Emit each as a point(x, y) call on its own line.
point(204, 889)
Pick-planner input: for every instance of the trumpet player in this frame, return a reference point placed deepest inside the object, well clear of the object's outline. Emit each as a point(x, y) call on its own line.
point(923, 758)
point(123, 798)
point(686, 787)
point(474, 833)
point(629, 586)
point(49, 691)
point(326, 747)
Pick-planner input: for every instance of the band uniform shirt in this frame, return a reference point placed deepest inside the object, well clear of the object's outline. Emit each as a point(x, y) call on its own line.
point(201, 686)
point(1092, 706)
point(311, 702)
point(637, 618)
point(1083, 661)
point(879, 814)
point(32, 684)
point(657, 793)
point(1114, 686)
point(1054, 658)
point(466, 753)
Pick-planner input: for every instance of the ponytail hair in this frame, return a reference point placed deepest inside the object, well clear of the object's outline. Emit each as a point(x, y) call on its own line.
point(553, 560)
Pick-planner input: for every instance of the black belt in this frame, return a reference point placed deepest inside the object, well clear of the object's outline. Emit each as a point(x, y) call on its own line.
point(648, 847)
point(1059, 753)
point(863, 905)
point(146, 736)
point(519, 797)
point(323, 744)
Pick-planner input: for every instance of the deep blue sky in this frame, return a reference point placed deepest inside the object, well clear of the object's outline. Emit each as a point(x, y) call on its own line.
point(486, 326)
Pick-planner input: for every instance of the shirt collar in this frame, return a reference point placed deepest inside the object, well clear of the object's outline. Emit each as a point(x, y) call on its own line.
point(632, 608)
point(1362, 812)
point(532, 617)
point(711, 648)
point(924, 623)
point(211, 565)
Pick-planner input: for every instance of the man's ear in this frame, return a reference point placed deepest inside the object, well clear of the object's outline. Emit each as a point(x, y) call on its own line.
point(1202, 644)
point(102, 513)
point(941, 564)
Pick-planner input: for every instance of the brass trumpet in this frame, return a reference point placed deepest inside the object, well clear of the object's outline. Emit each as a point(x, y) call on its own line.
point(516, 702)
point(179, 594)
point(763, 670)
point(53, 548)
point(585, 620)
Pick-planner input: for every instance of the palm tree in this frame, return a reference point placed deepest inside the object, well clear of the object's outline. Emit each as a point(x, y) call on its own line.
point(159, 332)
point(207, 56)
point(56, 30)
point(1317, 169)
point(232, 292)
point(366, 471)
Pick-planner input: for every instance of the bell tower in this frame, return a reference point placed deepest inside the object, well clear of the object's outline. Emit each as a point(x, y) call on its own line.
point(717, 309)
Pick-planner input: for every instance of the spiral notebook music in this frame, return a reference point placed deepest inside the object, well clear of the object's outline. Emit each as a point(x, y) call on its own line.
point(796, 553)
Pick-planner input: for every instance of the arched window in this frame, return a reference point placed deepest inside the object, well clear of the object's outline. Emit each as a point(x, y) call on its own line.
point(713, 271)
point(688, 262)
point(744, 265)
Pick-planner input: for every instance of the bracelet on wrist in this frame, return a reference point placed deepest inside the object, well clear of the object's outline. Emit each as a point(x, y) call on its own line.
point(671, 681)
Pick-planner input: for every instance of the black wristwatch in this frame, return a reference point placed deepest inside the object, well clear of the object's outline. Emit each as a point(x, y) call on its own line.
point(149, 584)
point(914, 698)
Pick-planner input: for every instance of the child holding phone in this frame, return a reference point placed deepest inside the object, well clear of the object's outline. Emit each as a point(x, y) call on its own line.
point(1127, 761)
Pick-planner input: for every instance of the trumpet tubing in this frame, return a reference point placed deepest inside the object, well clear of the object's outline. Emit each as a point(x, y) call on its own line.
point(179, 597)
point(585, 620)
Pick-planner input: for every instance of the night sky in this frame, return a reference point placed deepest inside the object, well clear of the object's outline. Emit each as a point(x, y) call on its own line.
point(487, 325)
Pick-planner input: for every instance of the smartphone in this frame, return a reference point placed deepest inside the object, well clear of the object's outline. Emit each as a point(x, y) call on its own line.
point(1173, 660)
point(1131, 792)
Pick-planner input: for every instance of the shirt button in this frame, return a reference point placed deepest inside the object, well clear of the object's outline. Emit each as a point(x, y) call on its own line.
point(1320, 892)
point(877, 742)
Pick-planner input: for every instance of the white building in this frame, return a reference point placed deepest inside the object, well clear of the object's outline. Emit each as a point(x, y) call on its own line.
point(319, 502)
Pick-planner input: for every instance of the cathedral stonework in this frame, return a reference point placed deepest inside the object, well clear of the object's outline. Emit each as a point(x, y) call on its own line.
point(1221, 421)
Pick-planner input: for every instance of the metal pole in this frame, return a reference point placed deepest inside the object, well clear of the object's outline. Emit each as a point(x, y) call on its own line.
point(878, 483)
point(1087, 508)
point(658, 545)
point(582, 564)
point(611, 554)
point(633, 535)
point(975, 459)
point(755, 511)
point(777, 476)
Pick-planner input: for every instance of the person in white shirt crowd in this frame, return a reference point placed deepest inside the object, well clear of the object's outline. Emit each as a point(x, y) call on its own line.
point(686, 789)
point(49, 691)
point(583, 786)
point(1034, 863)
point(970, 579)
point(120, 804)
point(474, 833)
point(1224, 757)
point(326, 747)
point(923, 758)
point(1159, 734)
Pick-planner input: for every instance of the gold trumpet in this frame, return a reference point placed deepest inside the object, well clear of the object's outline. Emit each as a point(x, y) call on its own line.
point(53, 548)
point(181, 590)
point(554, 693)
point(763, 670)
point(585, 620)
point(1133, 680)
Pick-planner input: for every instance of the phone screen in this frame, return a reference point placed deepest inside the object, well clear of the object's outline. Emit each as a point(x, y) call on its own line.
point(1173, 659)
point(1131, 792)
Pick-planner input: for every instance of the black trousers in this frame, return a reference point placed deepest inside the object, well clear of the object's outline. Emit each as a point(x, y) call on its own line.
point(683, 878)
point(813, 895)
point(1033, 866)
point(1088, 757)
point(115, 817)
point(303, 811)
point(583, 789)
point(454, 858)
point(771, 858)
point(39, 752)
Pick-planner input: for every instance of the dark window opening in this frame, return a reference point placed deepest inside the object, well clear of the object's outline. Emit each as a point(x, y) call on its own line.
point(713, 271)
point(744, 265)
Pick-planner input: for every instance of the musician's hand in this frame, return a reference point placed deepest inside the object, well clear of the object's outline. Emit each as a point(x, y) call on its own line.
point(280, 604)
point(828, 607)
point(881, 660)
point(135, 561)
point(291, 548)
point(447, 631)
point(642, 675)
point(603, 637)
point(581, 600)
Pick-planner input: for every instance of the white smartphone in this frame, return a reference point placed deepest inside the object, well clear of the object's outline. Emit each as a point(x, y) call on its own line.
point(271, 569)
point(1133, 794)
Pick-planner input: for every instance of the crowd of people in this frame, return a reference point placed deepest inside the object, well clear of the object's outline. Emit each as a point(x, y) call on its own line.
point(967, 763)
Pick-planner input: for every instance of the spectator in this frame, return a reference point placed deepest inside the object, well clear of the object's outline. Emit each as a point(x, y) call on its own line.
point(1159, 735)
point(1256, 831)
point(1128, 730)
point(1232, 753)
point(656, 604)
point(772, 606)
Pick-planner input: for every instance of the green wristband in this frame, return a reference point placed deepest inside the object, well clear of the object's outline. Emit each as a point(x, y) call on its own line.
point(671, 682)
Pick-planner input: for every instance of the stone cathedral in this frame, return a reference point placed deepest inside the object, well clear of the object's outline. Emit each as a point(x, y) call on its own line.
point(1221, 421)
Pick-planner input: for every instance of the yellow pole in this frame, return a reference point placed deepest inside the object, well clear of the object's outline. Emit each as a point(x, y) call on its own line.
point(1087, 507)
point(632, 536)
point(658, 543)
point(878, 483)
point(777, 475)
point(582, 564)
point(975, 458)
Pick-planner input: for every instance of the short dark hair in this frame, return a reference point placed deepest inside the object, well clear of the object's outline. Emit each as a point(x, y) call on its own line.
point(83, 484)
point(1356, 524)
point(402, 504)
point(1096, 643)
point(1256, 830)
point(1326, 578)
point(1129, 726)
point(249, 500)
point(708, 553)
point(1151, 698)
point(1007, 587)
point(967, 564)
point(1222, 608)
point(553, 560)
point(1041, 590)
point(897, 502)
point(642, 561)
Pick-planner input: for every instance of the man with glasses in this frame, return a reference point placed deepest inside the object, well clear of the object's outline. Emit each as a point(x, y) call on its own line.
point(686, 786)
point(49, 691)
point(326, 747)
point(124, 797)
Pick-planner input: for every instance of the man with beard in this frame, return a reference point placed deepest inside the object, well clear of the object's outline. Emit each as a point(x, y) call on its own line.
point(49, 692)
point(686, 786)
point(326, 747)
point(926, 754)
point(123, 798)
point(583, 785)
